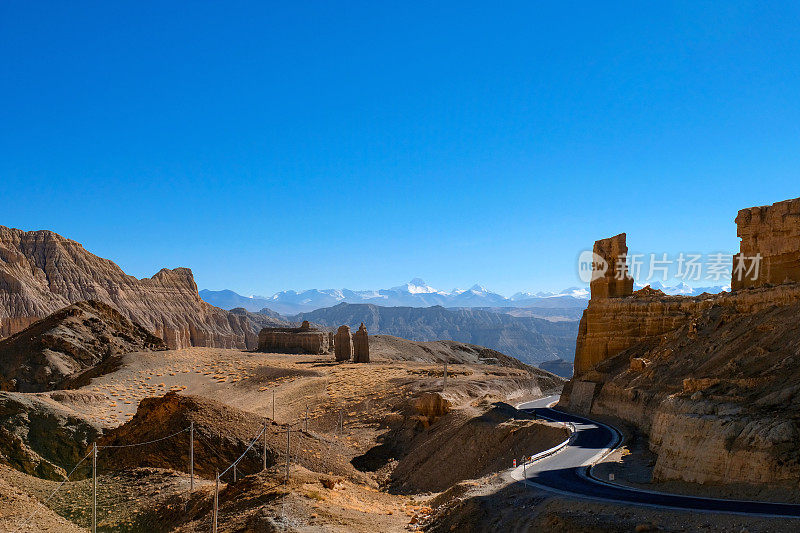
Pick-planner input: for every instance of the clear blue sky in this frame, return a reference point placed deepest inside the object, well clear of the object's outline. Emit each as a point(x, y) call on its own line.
point(272, 146)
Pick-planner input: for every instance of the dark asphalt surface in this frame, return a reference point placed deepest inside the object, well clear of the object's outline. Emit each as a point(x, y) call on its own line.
point(567, 471)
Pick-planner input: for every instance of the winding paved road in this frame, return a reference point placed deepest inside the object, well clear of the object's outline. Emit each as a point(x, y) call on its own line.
point(567, 471)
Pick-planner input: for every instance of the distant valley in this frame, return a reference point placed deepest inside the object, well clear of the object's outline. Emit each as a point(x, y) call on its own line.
point(536, 327)
point(531, 340)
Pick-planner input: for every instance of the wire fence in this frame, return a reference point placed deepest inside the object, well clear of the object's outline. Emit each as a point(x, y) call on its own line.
point(195, 436)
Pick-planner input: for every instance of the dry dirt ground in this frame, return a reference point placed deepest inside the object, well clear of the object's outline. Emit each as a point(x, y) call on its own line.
point(351, 409)
point(247, 381)
point(394, 427)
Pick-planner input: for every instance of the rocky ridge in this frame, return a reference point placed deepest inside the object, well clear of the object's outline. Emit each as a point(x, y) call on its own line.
point(59, 348)
point(42, 272)
point(711, 379)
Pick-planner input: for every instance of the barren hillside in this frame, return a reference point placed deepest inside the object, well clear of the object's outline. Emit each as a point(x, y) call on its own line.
point(56, 350)
point(41, 272)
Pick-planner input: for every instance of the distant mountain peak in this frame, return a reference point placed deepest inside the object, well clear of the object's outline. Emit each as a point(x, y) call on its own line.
point(416, 286)
point(417, 293)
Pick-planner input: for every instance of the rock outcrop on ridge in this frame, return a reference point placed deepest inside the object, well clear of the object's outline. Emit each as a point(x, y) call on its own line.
point(305, 339)
point(615, 281)
point(618, 318)
point(773, 231)
point(61, 347)
point(711, 379)
point(42, 272)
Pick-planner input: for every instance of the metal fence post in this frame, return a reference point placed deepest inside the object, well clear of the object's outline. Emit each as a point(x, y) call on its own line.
point(288, 430)
point(273, 404)
point(191, 457)
point(264, 467)
point(216, 503)
point(94, 487)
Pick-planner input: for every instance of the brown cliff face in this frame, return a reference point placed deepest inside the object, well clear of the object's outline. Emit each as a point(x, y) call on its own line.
point(594, 342)
point(772, 231)
point(712, 379)
point(718, 396)
point(42, 272)
point(616, 318)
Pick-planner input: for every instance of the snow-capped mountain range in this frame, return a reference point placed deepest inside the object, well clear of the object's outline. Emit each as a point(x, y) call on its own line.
point(417, 293)
point(683, 289)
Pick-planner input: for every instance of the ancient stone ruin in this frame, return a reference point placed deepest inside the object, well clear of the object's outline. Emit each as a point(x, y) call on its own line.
point(343, 346)
point(304, 339)
point(618, 318)
point(361, 345)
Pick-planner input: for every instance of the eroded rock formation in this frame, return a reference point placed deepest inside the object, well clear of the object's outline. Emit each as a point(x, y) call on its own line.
point(773, 232)
point(615, 281)
point(42, 272)
point(342, 344)
point(304, 339)
point(59, 348)
point(717, 396)
point(617, 318)
point(361, 345)
point(711, 379)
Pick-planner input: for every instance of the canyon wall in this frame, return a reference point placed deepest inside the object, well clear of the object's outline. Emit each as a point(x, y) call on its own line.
point(617, 318)
point(718, 396)
point(713, 380)
point(42, 272)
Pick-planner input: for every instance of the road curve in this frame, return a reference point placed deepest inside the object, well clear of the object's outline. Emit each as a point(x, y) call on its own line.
point(566, 470)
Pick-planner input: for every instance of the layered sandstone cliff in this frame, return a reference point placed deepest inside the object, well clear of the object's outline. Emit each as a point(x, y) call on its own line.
point(718, 397)
point(773, 233)
point(41, 272)
point(617, 318)
point(713, 380)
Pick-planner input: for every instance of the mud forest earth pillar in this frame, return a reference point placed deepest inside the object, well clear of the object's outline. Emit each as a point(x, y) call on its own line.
point(342, 344)
point(361, 345)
